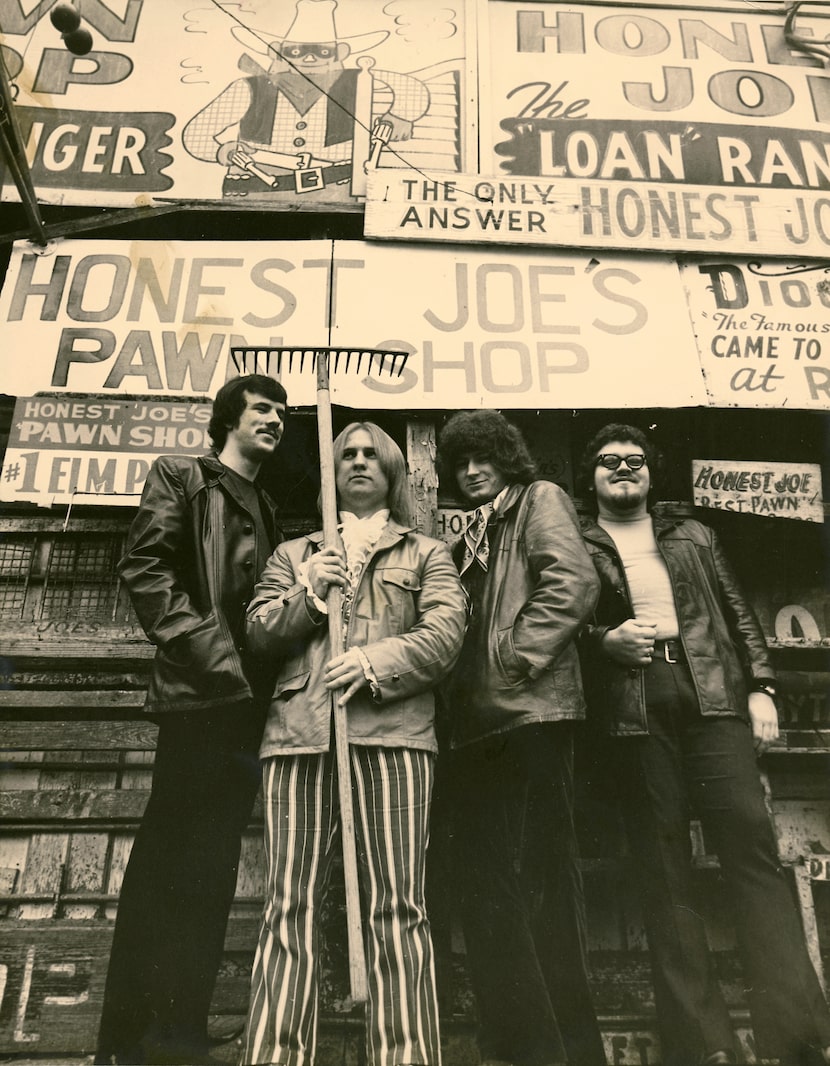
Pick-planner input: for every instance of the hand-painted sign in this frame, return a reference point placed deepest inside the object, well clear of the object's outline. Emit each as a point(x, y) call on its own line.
point(569, 212)
point(763, 331)
point(260, 104)
point(94, 449)
point(718, 107)
point(483, 327)
point(776, 490)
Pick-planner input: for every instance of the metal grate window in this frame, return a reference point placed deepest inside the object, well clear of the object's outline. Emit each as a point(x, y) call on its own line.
point(16, 559)
point(80, 579)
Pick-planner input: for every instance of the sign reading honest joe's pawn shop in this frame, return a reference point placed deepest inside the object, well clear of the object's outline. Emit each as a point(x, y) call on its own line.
point(777, 490)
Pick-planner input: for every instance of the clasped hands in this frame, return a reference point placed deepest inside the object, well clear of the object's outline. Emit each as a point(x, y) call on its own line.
point(327, 568)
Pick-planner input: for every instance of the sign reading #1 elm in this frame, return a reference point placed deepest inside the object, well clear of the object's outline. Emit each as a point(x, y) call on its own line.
point(94, 449)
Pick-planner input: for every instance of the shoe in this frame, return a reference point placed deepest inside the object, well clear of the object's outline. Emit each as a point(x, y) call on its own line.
point(718, 1058)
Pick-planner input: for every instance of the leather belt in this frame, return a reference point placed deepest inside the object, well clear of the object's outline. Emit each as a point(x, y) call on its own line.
point(306, 180)
point(669, 650)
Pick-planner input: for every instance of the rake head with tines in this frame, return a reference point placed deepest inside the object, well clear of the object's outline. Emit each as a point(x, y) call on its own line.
point(376, 360)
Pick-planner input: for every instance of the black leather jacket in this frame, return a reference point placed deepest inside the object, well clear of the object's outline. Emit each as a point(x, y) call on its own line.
point(519, 664)
point(193, 558)
point(723, 642)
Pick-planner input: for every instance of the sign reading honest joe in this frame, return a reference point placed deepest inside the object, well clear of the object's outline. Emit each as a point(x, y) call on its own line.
point(778, 490)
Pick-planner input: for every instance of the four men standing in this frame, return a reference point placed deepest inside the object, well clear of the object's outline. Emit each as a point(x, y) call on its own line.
point(679, 679)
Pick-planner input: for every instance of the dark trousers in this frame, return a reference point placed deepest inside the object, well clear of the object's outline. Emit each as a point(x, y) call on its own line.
point(690, 764)
point(178, 888)
point(521, 897)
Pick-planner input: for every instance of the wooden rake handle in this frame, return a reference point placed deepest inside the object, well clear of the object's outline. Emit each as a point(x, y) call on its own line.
point(378, 361)
point(358, 982)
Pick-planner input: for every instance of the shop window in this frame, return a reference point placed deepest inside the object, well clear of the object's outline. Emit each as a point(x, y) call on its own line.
point(80, 579)
point(16, 561)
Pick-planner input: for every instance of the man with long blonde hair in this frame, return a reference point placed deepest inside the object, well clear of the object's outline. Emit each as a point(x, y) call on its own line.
point(403, 619)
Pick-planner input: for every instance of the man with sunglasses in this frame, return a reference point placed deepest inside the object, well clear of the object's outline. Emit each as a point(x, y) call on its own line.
point(681, 691)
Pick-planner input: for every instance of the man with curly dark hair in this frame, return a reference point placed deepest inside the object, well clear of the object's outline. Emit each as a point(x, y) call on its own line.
point(512, 702)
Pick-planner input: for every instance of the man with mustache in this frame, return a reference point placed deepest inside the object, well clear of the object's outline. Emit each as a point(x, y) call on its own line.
point(202, 534)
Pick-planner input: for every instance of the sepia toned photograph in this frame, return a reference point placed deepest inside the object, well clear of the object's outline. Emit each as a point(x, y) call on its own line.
point(414, 577)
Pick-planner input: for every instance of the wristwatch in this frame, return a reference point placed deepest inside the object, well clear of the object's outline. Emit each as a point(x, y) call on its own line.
point(765, 686)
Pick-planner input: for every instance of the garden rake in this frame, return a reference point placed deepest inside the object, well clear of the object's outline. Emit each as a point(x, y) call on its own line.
point(325, 360)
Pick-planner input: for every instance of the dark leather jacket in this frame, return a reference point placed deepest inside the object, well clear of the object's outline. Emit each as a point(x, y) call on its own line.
point(519, 664)
point(723, 642)
point(192, 560)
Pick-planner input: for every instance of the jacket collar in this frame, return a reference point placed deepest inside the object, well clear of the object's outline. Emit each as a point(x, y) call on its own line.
point(593, 531)
point(509, 501)
point(216, 473)
point(394, 532)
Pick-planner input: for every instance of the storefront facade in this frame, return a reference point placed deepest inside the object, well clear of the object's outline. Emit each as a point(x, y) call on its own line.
point(601, 212)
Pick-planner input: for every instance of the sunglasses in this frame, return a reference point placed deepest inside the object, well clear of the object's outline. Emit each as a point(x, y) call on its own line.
point(612, 461)
point(299, 51)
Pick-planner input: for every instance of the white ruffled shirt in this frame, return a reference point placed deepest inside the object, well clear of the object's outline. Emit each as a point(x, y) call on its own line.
point(359, 536)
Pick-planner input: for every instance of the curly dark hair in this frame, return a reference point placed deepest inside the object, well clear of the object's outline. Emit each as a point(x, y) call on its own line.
point(488, 437)
point(620, 431)
point(230, 402)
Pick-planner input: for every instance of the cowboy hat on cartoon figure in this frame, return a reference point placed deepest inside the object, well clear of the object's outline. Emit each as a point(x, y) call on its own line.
point(289, 128)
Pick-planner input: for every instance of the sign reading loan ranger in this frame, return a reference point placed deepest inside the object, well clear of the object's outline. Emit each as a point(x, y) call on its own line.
point(777, 490)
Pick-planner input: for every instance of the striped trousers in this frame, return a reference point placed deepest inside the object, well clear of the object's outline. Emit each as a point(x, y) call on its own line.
point(392, 790)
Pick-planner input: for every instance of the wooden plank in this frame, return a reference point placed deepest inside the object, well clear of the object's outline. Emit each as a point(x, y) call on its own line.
point(64, 735)
point(805, 699)
point(420, 457)
point(98, 699)
point(74, 808)
point(70, 807)
point(32, 646)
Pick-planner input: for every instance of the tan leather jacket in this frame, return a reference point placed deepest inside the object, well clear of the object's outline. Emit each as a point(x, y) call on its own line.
point(519, 664)
point(192, 559)
point(408, 617)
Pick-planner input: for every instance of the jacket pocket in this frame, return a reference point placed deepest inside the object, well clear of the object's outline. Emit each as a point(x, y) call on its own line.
point(402, 577)
point(508, 663)
point(285, 686)
point(400, 586)
point(193, 648)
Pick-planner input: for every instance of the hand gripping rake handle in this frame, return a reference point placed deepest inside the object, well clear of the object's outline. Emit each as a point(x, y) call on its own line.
point(352, 359)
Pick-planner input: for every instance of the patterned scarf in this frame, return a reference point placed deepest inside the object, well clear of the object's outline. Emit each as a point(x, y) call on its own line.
point(476, 544)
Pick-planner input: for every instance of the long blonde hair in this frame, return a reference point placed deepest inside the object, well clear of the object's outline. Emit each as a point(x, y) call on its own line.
point(392, 463)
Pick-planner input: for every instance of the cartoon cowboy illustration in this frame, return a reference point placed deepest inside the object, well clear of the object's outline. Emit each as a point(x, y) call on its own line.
point(291, 129)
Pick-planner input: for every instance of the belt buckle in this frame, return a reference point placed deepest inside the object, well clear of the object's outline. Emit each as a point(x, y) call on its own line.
point(667, 653)
point(308, 179)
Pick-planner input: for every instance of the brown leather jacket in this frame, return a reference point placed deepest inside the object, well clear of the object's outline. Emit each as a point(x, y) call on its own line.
point(723, 641)
point(407, 616)
point(520, 664)
point(192, 559)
